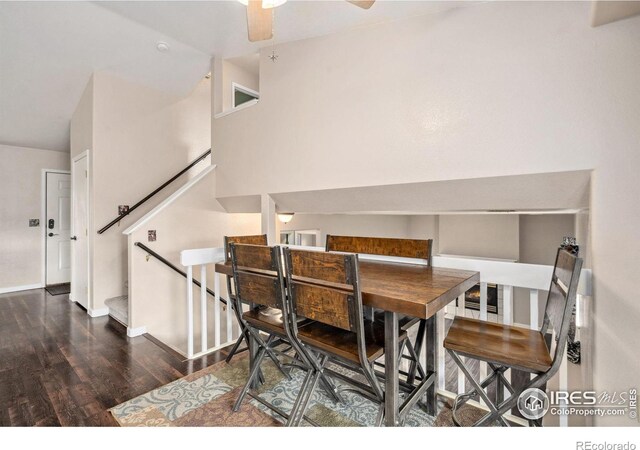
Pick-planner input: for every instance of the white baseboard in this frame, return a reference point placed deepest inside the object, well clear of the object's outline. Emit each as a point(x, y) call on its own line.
point(25, 287)
point(98, 312)
point(133, 332)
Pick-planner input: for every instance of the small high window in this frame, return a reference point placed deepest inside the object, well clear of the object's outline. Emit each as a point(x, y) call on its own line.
point(242, 94)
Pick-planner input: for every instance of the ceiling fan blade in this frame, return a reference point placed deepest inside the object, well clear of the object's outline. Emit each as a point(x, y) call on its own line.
point(259, 21)
point(364, 4)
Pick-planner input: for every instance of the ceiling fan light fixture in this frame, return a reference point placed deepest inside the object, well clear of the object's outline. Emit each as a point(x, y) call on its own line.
point(285, 217)
point(266, 4)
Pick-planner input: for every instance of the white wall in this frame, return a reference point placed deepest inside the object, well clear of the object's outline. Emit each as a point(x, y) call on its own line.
point(425, 227)
point(81, 127)
point(503, 88)
point(140, 137)
point(157, 294)
point(232, 73)
point(486, 236)
point(21, 248)
point(542, 234)
point(540, 237)
point(348, 225)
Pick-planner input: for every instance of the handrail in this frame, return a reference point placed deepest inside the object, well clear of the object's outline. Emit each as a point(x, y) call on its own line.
point(164, 185)
point(175, 269)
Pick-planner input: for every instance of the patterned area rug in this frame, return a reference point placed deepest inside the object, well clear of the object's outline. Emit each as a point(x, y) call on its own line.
point(205, 398)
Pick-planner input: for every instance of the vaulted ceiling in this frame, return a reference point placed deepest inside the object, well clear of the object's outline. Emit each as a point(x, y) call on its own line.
point(48, 50)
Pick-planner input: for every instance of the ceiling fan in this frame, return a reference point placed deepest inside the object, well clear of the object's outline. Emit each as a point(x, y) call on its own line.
point(260, 16)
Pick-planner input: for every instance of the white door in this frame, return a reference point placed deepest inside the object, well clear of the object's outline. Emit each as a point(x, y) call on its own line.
point(80, 221)
point(58, 228)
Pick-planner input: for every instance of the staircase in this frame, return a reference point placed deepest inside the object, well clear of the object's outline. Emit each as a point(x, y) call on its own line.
point(119, 309)
point(119, 306)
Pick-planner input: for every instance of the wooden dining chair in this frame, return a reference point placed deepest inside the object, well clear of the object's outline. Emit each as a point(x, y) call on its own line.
point(404, 248)
point(259, 282)
point(325, 287)
point(503, 347)
point(255, 239)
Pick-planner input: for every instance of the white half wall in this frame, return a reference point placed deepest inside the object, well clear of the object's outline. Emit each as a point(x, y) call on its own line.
point(157, 295)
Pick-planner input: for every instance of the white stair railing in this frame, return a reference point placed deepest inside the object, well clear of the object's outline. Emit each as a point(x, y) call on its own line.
point(222, 314)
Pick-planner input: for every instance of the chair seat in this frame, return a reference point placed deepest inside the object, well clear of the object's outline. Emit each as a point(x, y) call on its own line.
point(344, 343)
point(502, 344)
point(270, 321)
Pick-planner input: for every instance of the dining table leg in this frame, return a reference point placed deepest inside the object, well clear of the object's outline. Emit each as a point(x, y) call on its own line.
point(391, 391)
point(431, 362)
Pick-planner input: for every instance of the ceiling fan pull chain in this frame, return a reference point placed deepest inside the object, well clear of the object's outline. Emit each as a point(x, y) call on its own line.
point(273, 56)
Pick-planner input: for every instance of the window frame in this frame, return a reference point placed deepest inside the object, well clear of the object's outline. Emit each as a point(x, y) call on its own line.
point(237, 86)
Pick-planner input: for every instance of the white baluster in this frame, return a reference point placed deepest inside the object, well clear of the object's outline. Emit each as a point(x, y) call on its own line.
point(216, 310)
point(483, 316)
point(533, 309)
point(461, 306)
point(441, 328)
point(190, 312)
point(563, 385)
point(507, 305)
point(203, 308)
point(483, 300)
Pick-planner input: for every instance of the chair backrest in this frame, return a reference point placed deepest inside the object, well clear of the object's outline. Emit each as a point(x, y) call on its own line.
point(562, 298)
point(254, 239)
point(406, 248)
point(257, 271)
point(324, 287)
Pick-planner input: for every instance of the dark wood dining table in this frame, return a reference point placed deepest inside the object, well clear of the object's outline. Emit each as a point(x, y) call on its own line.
point(401, 289)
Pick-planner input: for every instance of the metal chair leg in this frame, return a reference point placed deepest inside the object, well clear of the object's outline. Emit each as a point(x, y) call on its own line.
point(319, 366)
point(252, 375)
point(296, 405)
point(305, 402)
point(233, 351)
point(380, 416)
point(477, 388)
point(270, 353)
point(330, 388)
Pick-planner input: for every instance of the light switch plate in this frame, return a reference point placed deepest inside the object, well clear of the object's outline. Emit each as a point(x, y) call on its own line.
point(151, 235)
point(34, 222)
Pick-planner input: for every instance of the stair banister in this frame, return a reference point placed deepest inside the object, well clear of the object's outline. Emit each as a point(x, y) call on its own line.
point(154, 192)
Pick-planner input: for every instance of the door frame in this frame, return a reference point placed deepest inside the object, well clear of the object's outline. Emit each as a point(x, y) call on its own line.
point(43, 220)
point(76, 158)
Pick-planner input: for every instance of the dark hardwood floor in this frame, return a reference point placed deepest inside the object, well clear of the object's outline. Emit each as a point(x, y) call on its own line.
point(58, 366)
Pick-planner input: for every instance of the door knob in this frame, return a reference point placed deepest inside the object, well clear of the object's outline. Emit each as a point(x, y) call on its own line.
point(52, 234)
point(74, 238)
